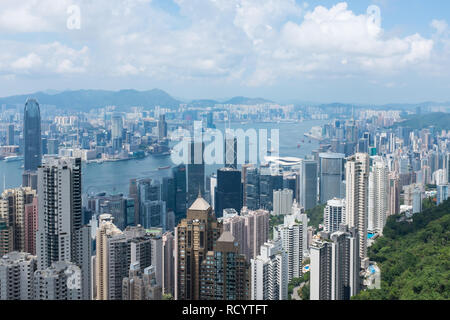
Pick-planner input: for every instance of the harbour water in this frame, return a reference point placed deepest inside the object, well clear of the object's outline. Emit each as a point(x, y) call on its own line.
point(114, 177)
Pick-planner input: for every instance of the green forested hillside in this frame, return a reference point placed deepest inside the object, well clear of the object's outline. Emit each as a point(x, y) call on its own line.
point(414, 257)
point(440, 120)
point(315, 215)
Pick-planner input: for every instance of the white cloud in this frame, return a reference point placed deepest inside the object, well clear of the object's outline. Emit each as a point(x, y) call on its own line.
point(32, 15)
point(52, 58)
point(31, 61)
point(441, 26)
point(255, 42)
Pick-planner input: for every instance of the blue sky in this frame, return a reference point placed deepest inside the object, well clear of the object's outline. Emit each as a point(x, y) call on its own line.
point(285, 50)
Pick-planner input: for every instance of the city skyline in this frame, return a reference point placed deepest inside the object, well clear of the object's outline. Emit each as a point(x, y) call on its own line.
point(279, 167)
point(390, 52)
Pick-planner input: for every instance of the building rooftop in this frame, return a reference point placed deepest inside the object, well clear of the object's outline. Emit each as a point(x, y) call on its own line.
point(200, 204)
point(226, 237)
point(16, 257)
point(331, 155)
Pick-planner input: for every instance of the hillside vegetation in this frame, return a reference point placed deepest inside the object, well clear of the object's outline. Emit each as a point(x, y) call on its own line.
point(414, 257)
point(438, 119)
point(315, 215)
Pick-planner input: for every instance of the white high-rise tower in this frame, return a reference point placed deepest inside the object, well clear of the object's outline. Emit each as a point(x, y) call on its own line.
point(378, 196)
point(357, 187)
point(61, 237)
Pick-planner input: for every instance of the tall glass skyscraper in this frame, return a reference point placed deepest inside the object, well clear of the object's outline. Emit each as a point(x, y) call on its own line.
point(195, 171)
point(331, 174)
point(307, 184)
point(32, 135)
point(228, 191)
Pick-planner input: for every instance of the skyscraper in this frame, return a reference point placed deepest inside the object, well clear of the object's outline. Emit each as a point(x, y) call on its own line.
point(321, 270)
point(335, 266)
point(162, 127)
point(346, 269)
point(257, 230)
point(116, 125)
point(378, 196)
point(61, 235)
point(269, 273)
point(236, 226)
point(230, 151)
point(268, 181)
point(141, 285)
point(180, 185)
point(442, 193)
point(52, 146)
point(31, 224)
point(117, 206)
point(282, 201)
point(298, 215)
point(331, 175)
point(244, 169)
point(106, 231)
point(116, 251)
point(60, 281)
point(59, 207)
point(10, 135)
point(251, 187)
point(29, 179)
point(116, 131)
point(195, 171)
point(194, 237)
point(417, 197)
point(291, 236)
point(394, 194)
point(356, 211)
point(32, 135)
point(153, 214)
point(333, 214)
point(16, 276)
point(6, 237)
point(223, 272)
point(212, 189)
point(167, 262)
point(134, 194)
point(307, 184)
point(12, 206)
point(228, 191)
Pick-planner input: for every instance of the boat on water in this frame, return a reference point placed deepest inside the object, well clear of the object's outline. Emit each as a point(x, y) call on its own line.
point(164, 168)
point(13, 158)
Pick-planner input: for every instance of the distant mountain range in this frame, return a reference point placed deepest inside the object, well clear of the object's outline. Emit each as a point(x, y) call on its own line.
point(85, 100)
point(89, 99)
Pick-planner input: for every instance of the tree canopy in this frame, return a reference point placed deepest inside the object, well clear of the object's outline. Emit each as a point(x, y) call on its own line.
point(414, 257)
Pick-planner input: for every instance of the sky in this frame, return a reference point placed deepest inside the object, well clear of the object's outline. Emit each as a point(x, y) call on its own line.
point(358, 51)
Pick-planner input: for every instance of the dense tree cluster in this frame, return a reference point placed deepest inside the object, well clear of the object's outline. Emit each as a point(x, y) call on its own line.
point(440, 120)
point(315, 216)
point(414, 257)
